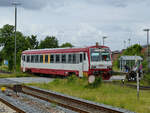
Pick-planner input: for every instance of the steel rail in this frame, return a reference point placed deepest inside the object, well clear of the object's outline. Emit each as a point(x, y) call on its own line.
point(72, 103)
point(129, 85)
point(17, 109)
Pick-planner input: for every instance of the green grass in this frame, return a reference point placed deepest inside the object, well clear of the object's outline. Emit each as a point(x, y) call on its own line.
point(114, 95)
point(4, 67)
point(5, 75)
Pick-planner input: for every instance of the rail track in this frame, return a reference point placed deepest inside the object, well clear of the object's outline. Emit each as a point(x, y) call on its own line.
point(11, 105)
point(130, 85)
point(72, 103)
point(141, 87)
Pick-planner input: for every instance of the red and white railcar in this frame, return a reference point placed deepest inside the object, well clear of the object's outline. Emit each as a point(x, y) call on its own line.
point(93, 60)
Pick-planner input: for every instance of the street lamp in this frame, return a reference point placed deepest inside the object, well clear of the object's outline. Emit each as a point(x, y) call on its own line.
point(148, 56)
point(15, 4)
point(129, 41)
point(124, 44)
point(104, 37)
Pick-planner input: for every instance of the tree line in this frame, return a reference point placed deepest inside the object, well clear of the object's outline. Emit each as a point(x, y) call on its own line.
point(7, 38)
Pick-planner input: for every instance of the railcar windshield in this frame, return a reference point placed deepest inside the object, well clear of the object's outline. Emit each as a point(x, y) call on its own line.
point(100, 55)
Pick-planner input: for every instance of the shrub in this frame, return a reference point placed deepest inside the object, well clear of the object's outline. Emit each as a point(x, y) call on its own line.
point(96, 83)
point(56, 81)
point(147, 78)
point(72, 79)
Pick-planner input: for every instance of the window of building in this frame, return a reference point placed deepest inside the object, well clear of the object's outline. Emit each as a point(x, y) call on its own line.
point(28, 58)
point(36, 58)
point(41, 58)
point(57, 58)
point(46, 58)
point(52, 59)
point(63, 58)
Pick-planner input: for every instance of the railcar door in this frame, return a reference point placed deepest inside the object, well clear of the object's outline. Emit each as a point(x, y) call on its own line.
point(80, 57)
point(83, 64)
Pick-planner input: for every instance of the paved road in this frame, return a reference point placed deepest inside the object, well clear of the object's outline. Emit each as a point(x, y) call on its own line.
point(8, 81)
point(118, 77)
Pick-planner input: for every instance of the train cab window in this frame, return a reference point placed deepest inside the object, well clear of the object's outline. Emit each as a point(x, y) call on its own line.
point(81, 58)
point(63, 58)
point(28, 58)
point(105, 56)
point(95, 56)
point(41, 58)
point(36, 58)
point(57, 58)
point(52, 59)
point(46, 58)
point(32, 58)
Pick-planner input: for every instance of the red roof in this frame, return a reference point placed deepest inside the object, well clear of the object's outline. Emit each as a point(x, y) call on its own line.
point(60, 50)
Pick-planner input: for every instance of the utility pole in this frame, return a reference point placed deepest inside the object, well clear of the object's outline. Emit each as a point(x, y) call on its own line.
point(15, 4)
point(148, 55)
point(104, 37)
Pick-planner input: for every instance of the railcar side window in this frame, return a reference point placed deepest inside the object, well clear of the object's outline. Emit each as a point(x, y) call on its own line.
point(41, 58)
point(84, 56)
point(46, 58)
point(57, 58)
point(23, 57)
point(28, 58)
point(70, 58)
point(74, 58)
point(81, 58)
point(63, 58)
point(77, 58)
point(32, 58)
point(52, 59)
point(36, 58)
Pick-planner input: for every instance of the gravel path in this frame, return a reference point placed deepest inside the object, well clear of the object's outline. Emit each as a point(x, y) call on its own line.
point(5, 109)
point(7, 81)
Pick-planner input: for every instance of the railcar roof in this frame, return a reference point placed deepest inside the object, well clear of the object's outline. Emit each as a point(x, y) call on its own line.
point(60, 50)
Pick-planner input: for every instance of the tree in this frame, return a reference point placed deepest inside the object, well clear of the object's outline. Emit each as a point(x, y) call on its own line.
point(133, 50)
point(67, 44)
point(130, 51)
point(49, 42)
point(8, 39)
point(33, 41)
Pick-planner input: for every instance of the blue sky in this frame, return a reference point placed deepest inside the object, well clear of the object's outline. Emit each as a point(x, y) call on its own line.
point(81, 22)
